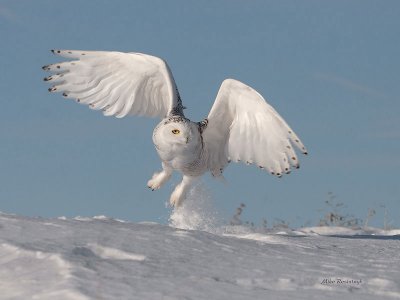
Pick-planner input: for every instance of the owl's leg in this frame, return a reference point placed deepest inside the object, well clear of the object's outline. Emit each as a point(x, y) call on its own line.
point(159, 178)
point(179, 194)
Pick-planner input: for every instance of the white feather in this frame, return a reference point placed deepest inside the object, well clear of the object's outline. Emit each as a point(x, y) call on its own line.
point(242, 126)
point(118, 83)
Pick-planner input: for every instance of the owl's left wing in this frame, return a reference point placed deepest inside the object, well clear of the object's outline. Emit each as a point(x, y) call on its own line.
point(242, 126)
point(117, 83)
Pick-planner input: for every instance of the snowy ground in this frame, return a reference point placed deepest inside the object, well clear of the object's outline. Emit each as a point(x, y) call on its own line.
point(193, 258)
point(101, 258)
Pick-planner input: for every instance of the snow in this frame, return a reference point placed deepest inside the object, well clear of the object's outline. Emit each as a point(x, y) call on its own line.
point(195, 257)
point(103, 258)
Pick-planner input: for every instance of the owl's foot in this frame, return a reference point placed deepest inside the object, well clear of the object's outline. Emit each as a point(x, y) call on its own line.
point(177, 197)
point(179, 194)
point(158, 180)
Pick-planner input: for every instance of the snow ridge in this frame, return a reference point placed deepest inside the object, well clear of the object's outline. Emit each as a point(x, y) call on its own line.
point(103, 258)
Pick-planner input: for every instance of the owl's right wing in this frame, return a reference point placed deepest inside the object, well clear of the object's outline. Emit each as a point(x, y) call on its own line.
point(242, 126)
point(117, 83)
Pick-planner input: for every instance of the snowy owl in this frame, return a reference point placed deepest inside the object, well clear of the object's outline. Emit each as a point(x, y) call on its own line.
point(241, 126)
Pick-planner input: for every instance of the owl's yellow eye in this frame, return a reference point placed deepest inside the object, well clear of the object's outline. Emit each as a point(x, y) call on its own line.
point(175, 131)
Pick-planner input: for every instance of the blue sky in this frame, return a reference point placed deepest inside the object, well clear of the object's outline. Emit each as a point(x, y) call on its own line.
point(329, 67)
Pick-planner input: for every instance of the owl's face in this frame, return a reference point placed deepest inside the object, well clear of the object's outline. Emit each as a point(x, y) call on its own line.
point(176, 134)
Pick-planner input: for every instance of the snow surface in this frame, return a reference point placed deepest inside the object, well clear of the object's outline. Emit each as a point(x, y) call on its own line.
point(193, 258)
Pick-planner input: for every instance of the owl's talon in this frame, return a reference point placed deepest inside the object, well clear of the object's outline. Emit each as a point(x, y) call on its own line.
point(180, 191)
point(152, 189)
point(177, 196)
point(158, 180)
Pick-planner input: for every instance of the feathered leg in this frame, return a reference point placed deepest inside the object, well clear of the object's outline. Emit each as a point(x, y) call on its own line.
point(179, 194)
point(159, 178)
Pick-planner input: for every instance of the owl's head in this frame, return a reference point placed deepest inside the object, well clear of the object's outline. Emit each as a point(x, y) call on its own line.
point(179, 132)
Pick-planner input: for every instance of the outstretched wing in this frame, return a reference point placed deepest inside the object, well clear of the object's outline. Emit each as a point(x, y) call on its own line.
point(117, 83)
point(242, 126)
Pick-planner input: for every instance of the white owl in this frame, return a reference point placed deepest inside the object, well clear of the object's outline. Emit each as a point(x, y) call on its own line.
point(241, 125)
